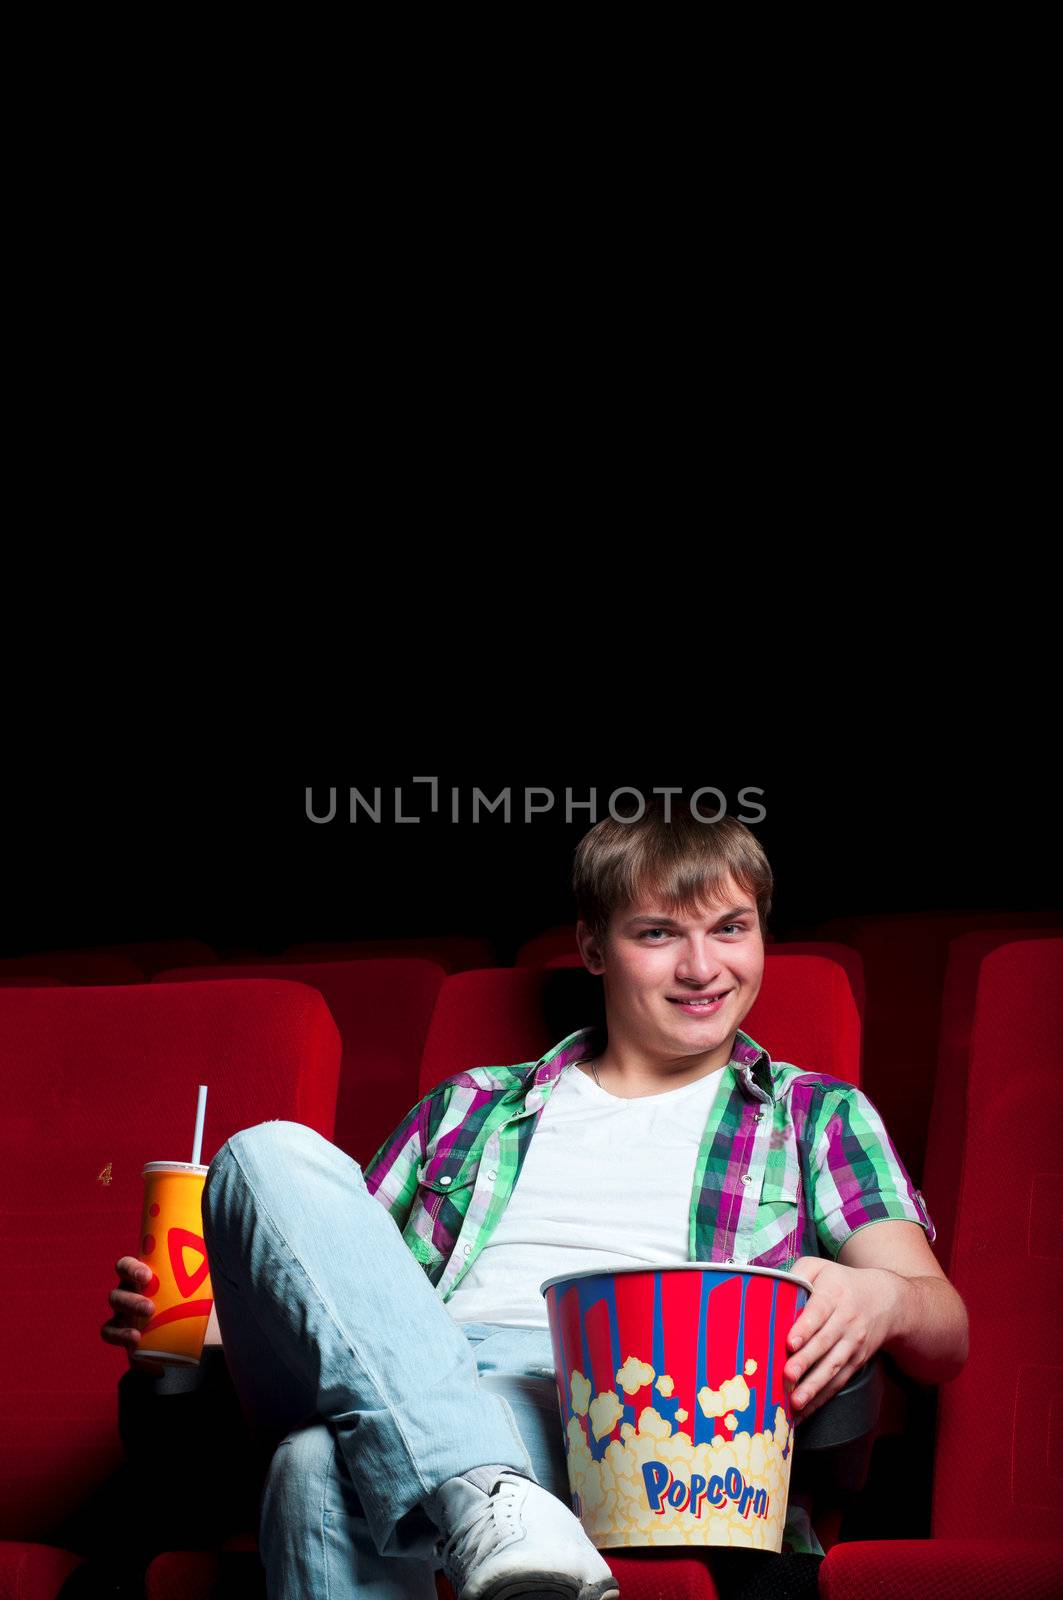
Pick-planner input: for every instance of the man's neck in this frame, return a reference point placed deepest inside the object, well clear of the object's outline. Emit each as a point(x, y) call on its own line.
point(633, 1084)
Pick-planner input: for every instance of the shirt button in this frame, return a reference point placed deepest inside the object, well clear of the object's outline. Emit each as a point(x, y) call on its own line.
point(491, 1176)
point(757, 1115)
point(468, 1249)
point(729, 1261)
point(747, 1177)
point(444, 1180)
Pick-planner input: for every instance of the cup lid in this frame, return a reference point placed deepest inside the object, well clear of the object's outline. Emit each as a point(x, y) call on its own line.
point(173, 1166)
point(730, 1268)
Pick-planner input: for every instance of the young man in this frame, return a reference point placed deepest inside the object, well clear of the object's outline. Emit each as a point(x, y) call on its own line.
point(413, 1364)
point(671, 1136)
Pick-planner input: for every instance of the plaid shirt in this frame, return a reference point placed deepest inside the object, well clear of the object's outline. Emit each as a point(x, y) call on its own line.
point(791, 1163)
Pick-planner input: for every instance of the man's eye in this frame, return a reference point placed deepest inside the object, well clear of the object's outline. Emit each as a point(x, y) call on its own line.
point(652, 930)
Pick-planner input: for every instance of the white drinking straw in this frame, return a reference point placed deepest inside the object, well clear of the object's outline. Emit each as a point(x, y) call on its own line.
point(201, 1112)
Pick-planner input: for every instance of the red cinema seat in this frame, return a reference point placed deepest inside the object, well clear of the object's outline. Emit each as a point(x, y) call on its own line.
point(453, 954)
point(97, 1081)
point(806, 1013)
point(997, 1468)
point(552, 942)
point(382, 1009)
point(904, 957)
point(35, 1571)
point(499, 1015)
point(503, 1015)
point(842, 954)
point(948, 1113)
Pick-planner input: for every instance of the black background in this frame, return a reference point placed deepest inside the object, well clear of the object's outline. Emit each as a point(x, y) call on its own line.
point(199, 848)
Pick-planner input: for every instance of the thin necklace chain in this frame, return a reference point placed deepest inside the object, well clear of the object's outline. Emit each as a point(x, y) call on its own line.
point(594, 1069)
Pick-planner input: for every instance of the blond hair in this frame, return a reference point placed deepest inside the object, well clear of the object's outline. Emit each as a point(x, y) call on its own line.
point(680, 863)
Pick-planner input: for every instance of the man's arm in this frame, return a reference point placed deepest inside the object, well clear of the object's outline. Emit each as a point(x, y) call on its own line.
point(878, 1284)
point(885, 1291)
point(930, 1329)
point(391, 1173)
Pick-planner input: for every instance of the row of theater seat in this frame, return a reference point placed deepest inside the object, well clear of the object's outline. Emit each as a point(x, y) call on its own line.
point(99, 1075)
point(912, 976)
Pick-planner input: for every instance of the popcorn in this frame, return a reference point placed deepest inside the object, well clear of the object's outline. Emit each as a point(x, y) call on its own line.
point(634, 1375)
point(732, 1395)
point(606, 1409)
point(737, 1485)
point(695, 1446)
point(581, 1393)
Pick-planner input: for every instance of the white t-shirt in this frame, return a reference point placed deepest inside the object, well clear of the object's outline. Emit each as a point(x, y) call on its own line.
point(605, 1183)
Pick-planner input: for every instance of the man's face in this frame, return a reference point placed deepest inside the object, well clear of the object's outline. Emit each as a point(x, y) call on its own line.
point(651, 961)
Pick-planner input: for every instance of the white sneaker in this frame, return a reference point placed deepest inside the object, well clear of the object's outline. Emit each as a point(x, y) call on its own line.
point(519, 1540)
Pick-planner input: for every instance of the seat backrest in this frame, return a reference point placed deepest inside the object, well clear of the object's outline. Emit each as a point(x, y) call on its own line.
point(944, 1151)
point(805, 1013)
point(382, 1009)
point(904, 958)
point(997, 1466)
point(98, 1081)
point(845, 956)
point(541, 950)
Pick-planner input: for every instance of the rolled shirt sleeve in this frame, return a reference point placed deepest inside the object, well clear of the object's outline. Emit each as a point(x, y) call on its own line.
point(858, 1174)
point(391, 1174)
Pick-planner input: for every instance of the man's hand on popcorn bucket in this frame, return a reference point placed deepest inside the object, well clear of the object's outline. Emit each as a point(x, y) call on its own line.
point(848, 1317)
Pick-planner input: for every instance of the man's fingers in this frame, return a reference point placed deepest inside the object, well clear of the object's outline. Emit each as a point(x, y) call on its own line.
point(129, 1267)
point(822, 1341)
point(135, 1305)
point(120, 1333)
point(807, 1397)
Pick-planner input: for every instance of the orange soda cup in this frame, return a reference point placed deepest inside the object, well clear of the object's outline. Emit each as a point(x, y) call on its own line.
point(171, 1243)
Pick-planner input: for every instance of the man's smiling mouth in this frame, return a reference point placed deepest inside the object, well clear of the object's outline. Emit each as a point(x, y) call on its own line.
point(699, 1002)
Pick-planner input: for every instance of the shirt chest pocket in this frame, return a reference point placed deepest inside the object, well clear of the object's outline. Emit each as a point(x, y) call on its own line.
point(775, 1240)
point(445, 1177)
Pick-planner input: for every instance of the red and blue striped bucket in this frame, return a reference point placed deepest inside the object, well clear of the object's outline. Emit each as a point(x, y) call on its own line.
point(678, 1427)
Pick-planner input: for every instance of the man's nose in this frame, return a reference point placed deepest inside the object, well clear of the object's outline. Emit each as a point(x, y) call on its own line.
point(698, 963)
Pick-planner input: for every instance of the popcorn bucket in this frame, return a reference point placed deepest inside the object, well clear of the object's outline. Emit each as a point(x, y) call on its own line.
point(678, 1428)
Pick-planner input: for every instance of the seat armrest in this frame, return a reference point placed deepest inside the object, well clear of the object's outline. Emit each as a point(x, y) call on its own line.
point(832, 1450)
point(848, 1415)
point(175, 1407)
point(185, 1428)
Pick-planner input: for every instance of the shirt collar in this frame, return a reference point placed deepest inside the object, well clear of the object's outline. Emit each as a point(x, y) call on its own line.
point(750, 1062)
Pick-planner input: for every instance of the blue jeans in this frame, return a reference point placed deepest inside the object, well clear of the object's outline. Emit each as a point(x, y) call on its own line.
point(342, 1354)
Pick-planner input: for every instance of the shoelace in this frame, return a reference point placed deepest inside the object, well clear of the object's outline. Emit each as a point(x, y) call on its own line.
point(490, 1525)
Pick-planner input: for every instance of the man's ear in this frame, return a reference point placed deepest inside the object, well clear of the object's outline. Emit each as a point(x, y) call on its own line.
point(589, 949)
